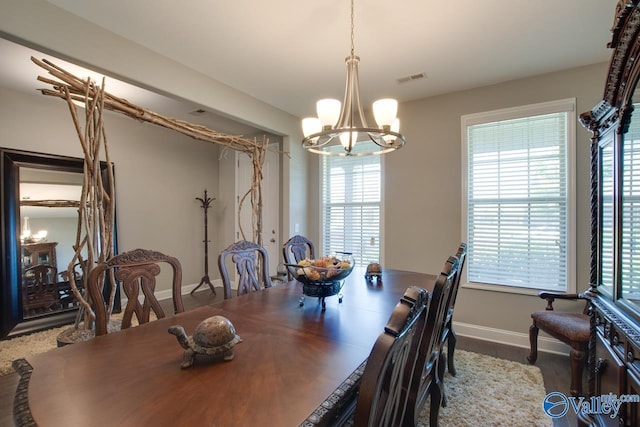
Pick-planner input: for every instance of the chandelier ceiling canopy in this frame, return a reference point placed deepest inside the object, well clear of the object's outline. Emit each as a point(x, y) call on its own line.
point(341, 128)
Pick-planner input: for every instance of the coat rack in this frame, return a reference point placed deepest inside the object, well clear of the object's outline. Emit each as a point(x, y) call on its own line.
point(206, 203)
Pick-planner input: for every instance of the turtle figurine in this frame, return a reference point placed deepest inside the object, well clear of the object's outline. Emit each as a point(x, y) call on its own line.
point(374, 272)
point(214, 336)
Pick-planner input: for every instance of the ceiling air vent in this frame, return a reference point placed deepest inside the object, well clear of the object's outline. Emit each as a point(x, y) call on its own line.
point(198, 112)
point(412, 78)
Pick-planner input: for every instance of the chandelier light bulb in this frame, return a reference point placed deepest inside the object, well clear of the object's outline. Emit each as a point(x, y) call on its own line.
point(385, 111)
point(395, 127)
point(311, 125)
point(347, 143)
point(26, 229)
point(328, 112)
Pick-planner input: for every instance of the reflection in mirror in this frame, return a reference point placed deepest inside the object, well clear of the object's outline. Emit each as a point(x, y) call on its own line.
point(606, 214)
point(39, 202)
point(630, 231)
point(49, 201)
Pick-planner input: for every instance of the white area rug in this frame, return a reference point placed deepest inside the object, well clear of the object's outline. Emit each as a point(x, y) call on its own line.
point(39, 342)
point(491, 392)
point(27, 345)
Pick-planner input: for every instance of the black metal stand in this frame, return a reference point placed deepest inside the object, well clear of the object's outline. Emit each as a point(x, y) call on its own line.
point(206, 203)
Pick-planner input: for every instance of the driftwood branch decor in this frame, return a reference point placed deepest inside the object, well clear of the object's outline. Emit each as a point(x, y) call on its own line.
point(96, 210)
point(51, 203)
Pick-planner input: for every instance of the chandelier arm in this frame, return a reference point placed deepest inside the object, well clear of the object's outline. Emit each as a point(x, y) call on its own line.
point(343, 120)
point(378, 139)
point(315, 142)
point(356, 88)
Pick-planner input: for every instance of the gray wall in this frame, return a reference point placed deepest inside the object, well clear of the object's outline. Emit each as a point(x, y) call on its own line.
point(424, 179)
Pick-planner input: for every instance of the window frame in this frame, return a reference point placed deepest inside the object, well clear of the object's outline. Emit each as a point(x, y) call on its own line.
point(564, 105)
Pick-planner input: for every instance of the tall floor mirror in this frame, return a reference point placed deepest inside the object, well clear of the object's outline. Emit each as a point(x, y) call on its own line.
point(40, 196)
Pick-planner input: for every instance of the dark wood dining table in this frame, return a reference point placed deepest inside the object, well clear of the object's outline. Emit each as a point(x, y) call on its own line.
point(291, 367)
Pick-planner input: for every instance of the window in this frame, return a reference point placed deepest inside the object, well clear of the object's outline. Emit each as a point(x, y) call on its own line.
point(351, 205)
point(630, 248)
point(519, 197)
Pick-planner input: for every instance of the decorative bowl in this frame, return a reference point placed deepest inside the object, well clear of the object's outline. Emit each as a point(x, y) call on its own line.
point(327, 270)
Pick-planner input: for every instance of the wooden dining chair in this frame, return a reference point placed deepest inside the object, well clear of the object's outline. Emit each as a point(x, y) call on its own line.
point(571, 328)
point(382, 397)
point(40, 291)
point(252, 265)
point(136, 271)
point(296, 249)
point(448, 334)
point(426, 382)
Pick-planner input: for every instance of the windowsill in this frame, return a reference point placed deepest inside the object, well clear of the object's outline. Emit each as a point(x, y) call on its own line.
point(506, 289)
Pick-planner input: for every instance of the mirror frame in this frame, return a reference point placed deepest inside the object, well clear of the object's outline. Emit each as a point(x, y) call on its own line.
point(12, 321)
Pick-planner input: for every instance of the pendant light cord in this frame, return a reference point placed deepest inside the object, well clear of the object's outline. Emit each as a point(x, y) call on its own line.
point(352, 27)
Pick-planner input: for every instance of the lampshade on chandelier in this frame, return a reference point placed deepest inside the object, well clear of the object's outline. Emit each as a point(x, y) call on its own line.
point(342, 130)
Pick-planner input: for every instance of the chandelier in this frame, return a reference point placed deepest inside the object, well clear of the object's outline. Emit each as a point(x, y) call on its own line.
point(342, 130)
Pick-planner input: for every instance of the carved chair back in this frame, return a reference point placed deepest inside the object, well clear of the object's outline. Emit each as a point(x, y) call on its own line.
point(382, 396)
point(427, 378)
point(448, 334)
point(252, 265)
point(40, 291)
point(296, 249)
point(136, 271)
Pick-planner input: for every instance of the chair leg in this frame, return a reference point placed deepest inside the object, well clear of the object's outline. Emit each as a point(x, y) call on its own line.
point(451, 347)
point(436, 401)
point(440, 368)
point(577, 359)
point(533, 342)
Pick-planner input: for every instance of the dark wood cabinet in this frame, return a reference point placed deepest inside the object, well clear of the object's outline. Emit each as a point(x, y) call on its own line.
point(614, 294)
point(39, 253)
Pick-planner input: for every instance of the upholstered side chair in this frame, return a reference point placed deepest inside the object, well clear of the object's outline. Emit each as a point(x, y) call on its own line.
point(571, 328)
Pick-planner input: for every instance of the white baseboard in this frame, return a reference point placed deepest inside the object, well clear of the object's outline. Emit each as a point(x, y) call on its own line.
point(517, 339)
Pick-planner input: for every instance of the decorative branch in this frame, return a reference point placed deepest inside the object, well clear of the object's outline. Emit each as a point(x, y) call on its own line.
point(97, 207)
point(51, 203)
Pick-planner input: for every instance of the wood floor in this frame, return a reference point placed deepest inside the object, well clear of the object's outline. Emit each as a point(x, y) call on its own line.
point(555, 368)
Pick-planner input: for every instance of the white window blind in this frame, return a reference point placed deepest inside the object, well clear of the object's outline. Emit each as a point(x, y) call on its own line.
point(517, 200)
point(630, 250)
point(351, 205)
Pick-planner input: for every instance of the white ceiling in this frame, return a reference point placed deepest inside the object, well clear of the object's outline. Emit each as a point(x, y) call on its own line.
point(289, 53)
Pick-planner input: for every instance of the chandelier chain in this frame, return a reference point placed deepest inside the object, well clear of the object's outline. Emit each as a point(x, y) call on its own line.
point(352, 30)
